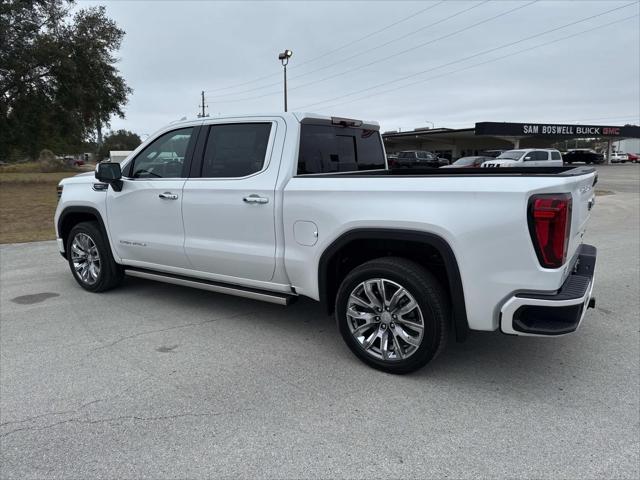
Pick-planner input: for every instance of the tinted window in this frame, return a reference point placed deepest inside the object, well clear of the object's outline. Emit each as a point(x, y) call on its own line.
point(235, 150)
point(407, 155)
point(540, 155)
point(326, 148)
point(164, 157)
point(556, 156)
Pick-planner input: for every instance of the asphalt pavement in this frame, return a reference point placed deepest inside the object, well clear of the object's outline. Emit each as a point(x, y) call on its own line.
point(159, 381)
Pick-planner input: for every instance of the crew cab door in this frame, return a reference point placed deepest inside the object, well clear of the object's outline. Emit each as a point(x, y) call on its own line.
point(229, 200)
point(145, 217)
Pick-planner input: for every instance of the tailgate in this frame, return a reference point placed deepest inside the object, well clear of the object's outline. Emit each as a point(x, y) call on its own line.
point(583, 193)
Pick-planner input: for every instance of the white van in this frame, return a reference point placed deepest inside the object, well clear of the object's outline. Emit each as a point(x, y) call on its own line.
point(531, 157)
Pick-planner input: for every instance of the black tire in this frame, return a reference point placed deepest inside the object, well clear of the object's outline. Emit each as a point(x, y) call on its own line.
point(110, 273)
point(427, 293)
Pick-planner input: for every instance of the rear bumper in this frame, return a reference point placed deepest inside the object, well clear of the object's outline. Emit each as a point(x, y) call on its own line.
point(559, 313)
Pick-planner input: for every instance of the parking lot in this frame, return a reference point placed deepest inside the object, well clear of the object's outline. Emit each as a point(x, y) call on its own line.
point(159, 381)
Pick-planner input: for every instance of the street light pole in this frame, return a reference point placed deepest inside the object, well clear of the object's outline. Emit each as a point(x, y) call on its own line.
point(284, 58)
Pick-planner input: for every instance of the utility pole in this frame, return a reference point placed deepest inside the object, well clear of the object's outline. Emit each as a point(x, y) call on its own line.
point(202, 105)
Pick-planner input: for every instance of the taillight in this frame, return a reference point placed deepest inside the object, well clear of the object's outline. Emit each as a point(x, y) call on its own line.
point(549, 226)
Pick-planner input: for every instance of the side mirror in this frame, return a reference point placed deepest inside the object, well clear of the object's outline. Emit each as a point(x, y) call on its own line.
point(110, 172)
point(527, 159)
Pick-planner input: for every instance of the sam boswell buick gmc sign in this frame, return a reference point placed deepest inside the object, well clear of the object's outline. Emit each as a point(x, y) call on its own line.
point(555, 130)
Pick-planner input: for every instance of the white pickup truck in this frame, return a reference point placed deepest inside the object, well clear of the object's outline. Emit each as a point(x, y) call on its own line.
point(275, 207)
point(531, 157)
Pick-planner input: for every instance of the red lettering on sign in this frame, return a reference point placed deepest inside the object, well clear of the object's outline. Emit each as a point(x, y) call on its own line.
point(611, 131)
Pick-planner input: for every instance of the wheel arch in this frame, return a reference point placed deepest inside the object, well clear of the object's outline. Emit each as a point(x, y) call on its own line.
point(73, 215)
point(331, 271)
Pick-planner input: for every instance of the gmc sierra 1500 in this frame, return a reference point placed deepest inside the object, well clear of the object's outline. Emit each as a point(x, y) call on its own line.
point(273, 207)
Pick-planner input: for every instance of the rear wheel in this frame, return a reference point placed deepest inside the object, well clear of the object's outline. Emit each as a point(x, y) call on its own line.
point(90, 258)
point(393, 314)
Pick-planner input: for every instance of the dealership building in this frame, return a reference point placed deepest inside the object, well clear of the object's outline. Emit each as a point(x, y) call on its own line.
point(461, 142)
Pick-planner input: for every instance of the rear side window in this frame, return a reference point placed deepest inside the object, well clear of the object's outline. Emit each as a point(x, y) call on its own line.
point(327, 148)
point(555, 156)
point(541, 155)
point(235, 150)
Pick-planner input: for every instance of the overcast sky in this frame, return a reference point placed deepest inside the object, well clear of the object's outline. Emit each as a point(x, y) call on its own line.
point(405, 64)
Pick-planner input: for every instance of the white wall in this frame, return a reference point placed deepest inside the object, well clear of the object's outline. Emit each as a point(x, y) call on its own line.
point(630, 145)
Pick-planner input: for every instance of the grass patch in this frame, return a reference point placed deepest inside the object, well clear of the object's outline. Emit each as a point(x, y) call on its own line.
point(34, 167)
point(27, 204)
point(23, 178)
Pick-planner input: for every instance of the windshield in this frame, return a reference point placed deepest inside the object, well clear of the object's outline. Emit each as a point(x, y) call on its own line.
point(465, 161)
point(511, 155)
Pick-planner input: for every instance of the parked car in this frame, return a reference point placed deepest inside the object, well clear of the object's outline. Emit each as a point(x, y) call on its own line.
point(418, 158)
point(276, 207)
point(585, 155)
point(531, 157)
point(619, 157)
point(73, 162)
point(469, 162)
point(633, 157)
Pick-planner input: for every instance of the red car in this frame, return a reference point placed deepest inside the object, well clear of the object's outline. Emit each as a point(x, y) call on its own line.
point(74, 162)
point(633, 157)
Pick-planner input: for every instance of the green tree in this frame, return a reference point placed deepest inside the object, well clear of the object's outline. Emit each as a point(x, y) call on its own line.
point(118, 140)
point(59, 84)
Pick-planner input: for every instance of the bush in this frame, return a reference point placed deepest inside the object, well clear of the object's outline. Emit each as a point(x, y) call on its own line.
point(49, 163)
point(46, 163)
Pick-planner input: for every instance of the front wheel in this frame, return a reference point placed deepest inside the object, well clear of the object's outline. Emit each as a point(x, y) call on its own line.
point(393, 314)
point(90, 258)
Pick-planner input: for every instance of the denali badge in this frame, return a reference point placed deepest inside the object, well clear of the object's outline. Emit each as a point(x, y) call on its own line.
point(133, 244)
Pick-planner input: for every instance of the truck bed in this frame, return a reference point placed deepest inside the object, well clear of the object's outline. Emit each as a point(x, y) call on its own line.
point(457, 172)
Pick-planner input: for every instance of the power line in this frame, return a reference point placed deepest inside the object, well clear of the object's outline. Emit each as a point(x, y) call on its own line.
point(469, 57)
point(371, 49)
point(483, 63)
point(342, 47)
point(345, 72)
point(414, 14)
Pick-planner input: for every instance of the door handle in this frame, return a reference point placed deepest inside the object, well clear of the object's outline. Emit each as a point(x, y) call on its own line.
point(255, 199)
point(168, 196)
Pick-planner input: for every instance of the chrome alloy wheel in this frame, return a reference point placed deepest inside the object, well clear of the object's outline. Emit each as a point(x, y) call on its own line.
point(385, 319)
point(85, 258)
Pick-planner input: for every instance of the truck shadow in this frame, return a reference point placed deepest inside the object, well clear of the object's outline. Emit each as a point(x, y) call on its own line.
point(524, 366)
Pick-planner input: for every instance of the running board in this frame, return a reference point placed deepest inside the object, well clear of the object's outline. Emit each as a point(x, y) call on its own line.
point(254, 294)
